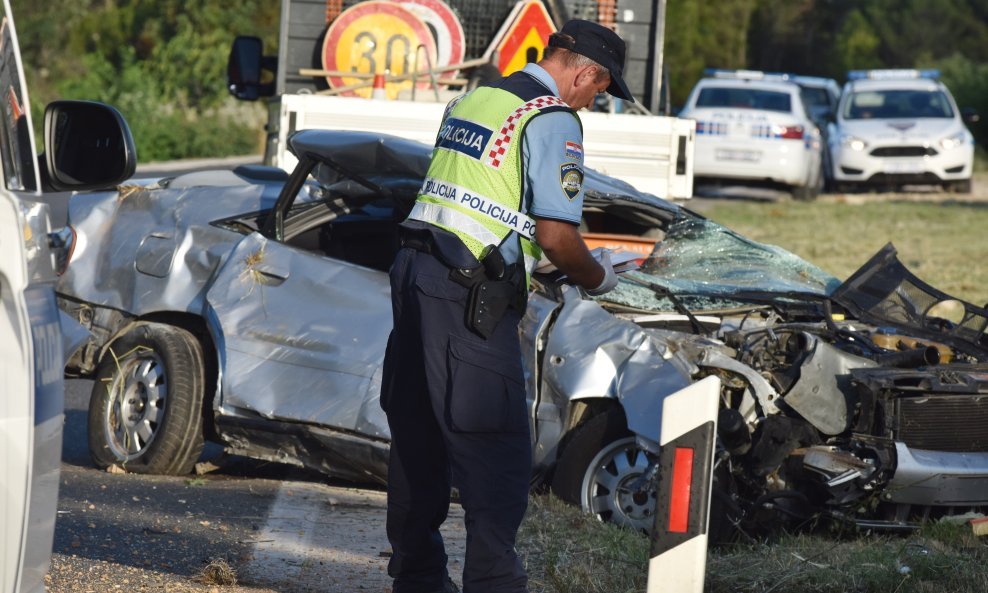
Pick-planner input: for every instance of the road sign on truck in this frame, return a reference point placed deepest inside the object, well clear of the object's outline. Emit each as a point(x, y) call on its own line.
point(331, 52)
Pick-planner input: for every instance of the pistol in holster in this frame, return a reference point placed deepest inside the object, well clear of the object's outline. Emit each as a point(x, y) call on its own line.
point(499, 287)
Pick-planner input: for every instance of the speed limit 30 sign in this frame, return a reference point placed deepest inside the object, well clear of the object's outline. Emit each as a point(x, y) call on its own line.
point(374, 37)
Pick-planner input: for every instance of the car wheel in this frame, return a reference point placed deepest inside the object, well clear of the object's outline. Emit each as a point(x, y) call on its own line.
point(810, 191)
point(145, 412)
point(805, 193)
point(829, 185)
point(598, 471)
point(960, 187)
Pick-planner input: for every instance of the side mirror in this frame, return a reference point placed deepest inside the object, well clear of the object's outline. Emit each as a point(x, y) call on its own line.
point(969, 115)
point(245, 68)
point(88, 146)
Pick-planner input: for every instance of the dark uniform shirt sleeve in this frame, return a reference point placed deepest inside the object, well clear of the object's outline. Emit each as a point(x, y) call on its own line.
point(553, 156)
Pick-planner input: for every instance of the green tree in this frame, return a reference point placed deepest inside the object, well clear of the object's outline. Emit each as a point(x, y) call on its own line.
point(163, 64)
point(857, 43)
point(704, 34)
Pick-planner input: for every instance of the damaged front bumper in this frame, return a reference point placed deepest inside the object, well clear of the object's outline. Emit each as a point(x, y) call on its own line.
point(938, 478)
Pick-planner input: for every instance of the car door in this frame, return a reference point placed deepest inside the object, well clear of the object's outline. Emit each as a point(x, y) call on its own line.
point(301, 336)
point(31, 386)
point(31, 405)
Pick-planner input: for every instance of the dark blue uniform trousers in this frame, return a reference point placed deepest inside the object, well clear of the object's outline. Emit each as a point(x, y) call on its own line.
point(456, 407)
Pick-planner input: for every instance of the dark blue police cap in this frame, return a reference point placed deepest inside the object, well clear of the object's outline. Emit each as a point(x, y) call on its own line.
point(601, 45)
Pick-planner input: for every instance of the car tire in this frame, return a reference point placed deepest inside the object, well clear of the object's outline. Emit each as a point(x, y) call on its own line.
point(829, 185)
point(598, 465)
point(810, 191)
point(145, 412)
point(960, 187)
point(805, 193)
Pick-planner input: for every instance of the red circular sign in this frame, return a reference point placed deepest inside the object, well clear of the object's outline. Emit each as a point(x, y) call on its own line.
point(450, 40)
point(374, 37)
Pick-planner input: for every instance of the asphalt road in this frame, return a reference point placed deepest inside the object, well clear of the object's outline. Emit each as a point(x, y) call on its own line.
point(277, 527)
point(147, 532)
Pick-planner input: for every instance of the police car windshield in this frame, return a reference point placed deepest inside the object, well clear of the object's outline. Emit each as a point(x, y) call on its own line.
point(893, 104)
point(744, 98)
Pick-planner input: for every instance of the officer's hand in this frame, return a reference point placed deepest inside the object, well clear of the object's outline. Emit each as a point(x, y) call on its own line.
point(610, 278)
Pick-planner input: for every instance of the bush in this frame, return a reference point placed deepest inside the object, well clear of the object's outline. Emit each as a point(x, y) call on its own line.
point(968, 82)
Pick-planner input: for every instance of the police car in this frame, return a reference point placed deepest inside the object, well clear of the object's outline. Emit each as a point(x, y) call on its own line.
point(753, 128)
point(820, 96)
point(89, 146)
point(899, 127)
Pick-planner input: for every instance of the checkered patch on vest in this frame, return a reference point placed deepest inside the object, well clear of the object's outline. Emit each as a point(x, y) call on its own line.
point(495, 156)
point(571, 179)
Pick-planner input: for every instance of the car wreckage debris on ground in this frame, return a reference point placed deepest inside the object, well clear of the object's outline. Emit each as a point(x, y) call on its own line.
point(251, 308)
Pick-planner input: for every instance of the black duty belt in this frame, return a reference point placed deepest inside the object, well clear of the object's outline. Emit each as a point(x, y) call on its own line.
point(423, 242)
point(494, 286)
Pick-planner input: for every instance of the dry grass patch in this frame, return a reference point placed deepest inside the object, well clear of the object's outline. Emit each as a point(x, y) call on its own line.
point(941, 557)
point(567, 551)
point(217, 572)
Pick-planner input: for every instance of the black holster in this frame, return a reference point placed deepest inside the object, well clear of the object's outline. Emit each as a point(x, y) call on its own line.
point(499, 287)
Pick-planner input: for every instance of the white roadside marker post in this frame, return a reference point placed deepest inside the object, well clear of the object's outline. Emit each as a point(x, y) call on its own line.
point(679, 539)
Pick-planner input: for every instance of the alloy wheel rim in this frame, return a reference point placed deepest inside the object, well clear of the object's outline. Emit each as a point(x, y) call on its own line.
point(609, 486)
point(136, 406)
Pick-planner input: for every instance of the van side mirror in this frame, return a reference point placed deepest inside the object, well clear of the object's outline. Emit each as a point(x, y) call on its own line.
point(245, 69)
point(970, 115)
point(88, 146)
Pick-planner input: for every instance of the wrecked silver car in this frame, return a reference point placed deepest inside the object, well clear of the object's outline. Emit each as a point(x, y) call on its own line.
point(252, 308)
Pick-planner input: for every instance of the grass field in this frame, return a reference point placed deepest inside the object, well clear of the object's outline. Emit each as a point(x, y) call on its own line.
point(942, 242)
point(945, 243)
point(567, 551)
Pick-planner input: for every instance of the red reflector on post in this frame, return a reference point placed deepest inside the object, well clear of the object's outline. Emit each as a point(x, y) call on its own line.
point(682, 480)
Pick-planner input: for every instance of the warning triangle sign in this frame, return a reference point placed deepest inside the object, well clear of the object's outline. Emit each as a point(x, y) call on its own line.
point(523, 37)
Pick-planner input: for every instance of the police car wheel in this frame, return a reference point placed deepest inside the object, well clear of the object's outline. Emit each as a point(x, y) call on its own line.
point(599, 470)
point(145, 412)
point(960, 187)
point(810, 191)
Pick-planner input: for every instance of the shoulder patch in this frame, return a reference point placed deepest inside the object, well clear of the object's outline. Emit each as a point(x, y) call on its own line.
point(571, 179)
point(574, 151)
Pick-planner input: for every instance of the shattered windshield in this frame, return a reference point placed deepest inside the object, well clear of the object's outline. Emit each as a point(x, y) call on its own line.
point(707, 264)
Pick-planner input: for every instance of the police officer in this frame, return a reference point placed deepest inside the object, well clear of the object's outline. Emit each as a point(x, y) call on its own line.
point(504, 188)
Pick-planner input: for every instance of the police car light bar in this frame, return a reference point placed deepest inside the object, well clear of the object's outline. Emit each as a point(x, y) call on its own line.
point(760, 75)
point(892, 74)
point(741, 74)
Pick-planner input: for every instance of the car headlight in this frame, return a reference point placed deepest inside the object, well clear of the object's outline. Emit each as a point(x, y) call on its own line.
point(952, 142)
point(852, 142)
